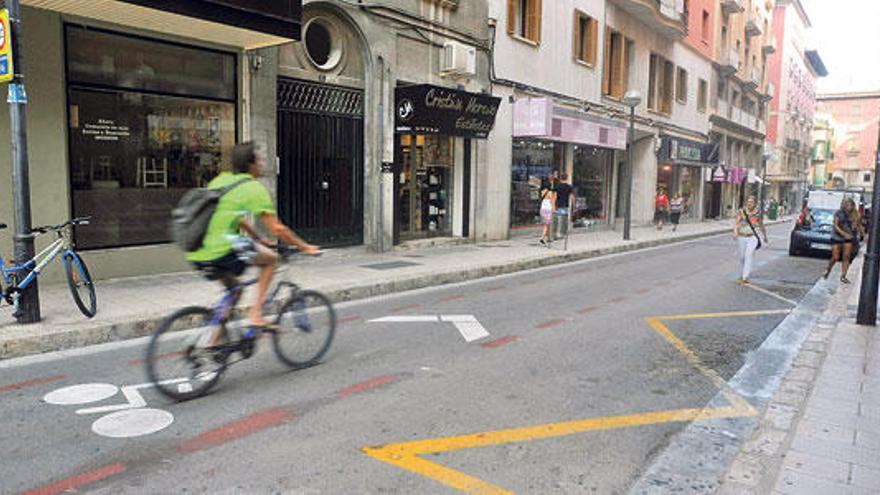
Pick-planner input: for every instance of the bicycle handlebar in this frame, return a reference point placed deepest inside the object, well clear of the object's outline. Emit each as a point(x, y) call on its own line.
point(54, 228)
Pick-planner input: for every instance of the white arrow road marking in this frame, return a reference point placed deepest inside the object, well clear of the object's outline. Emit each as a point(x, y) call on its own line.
point(135, 399)
point(467, 325)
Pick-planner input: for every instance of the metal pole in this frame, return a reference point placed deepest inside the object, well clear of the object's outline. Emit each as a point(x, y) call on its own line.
point(29, 302)
point(627, 219)
point(867, 312)
point(762, 186)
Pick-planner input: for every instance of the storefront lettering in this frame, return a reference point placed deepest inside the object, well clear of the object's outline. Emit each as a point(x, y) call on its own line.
point(106, 130)
point(687, 152)
point(447, 101)
point(475, 107)
point(472, 124)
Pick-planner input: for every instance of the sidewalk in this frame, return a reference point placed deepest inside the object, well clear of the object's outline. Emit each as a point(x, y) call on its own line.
point(820, 434)
point(131, 307)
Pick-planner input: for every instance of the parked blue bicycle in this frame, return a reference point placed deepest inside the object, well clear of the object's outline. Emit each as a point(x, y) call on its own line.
point(19, 277)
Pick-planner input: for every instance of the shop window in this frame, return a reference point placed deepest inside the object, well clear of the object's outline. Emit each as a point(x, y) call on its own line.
point(532, 162)
point(681, 85)
point(660, 84)
point(101, 58)
point(616, 66)
point(585, 36)
point(591, 184)
point(524, 19)
point(702, 88)
point(424, 188)
point(134, 153)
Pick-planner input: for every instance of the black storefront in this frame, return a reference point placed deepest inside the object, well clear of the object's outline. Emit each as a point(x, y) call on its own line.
point(278, 17)
point(433, 159)
point(681, 167)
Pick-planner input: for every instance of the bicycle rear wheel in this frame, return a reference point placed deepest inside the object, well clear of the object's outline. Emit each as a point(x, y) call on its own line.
point(80, 282)
point(307, 324)
point(178, 361)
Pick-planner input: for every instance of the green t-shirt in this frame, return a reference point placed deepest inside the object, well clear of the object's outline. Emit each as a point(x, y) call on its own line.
point(250, 197)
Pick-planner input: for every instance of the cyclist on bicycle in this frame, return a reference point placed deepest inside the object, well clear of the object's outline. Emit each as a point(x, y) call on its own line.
point(225, 248)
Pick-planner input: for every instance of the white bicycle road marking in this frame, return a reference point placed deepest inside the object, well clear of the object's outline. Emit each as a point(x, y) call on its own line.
point(130, 419)
point(467, 325)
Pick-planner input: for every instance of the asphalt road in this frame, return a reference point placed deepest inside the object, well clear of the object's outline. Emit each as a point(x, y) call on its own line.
point(574, 391)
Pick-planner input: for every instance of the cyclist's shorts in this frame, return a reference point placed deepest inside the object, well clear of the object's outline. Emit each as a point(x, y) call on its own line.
point(229, 263)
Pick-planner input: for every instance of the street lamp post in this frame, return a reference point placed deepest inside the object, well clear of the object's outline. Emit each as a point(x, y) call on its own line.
point(632, 99)
point(867, 311)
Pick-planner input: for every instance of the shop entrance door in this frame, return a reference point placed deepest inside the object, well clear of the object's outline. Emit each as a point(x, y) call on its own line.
point(423, 187)
point(321, 161)
point(714, 209)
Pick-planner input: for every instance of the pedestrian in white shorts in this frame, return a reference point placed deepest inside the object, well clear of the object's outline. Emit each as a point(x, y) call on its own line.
point(745, 232)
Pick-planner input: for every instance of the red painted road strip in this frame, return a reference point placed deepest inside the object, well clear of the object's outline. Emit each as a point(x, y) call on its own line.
point(78, 480)
point(492, 344)
point(348, 320)
point(404, 308)
point(548, 324)
point(493, 289)
point(587, 310)
point(30, 383)
point(235, 430)
point(360, 387)
point(452, 298)
point(643, 291)
point(617, 299)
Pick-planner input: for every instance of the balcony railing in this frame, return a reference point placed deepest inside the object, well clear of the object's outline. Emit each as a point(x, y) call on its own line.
point(753, 78)
point(730, 61)
point(753, 27)
point(732, 6)
point(664, 16)
point(768, 46)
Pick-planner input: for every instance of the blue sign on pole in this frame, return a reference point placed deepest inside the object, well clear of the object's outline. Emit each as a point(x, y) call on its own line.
point(17, 94)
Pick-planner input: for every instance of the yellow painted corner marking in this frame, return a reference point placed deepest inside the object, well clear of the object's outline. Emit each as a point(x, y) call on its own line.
point(406, 455)
point(767, 292)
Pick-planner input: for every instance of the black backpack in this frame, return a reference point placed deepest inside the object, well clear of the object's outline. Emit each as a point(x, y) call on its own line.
point(191, 216)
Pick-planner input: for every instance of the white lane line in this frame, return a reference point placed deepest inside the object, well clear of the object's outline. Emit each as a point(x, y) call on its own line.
point(468, 326)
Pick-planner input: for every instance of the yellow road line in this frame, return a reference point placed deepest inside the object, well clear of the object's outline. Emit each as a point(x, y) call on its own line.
point(728, 314)
point(767, 292)
point(405, 455)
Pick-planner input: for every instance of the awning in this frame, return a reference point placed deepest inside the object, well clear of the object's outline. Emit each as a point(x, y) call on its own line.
point(687, 152)
point(238, 23)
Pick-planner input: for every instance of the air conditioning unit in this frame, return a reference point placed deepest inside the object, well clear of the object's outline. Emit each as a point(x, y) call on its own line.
point(458, 59)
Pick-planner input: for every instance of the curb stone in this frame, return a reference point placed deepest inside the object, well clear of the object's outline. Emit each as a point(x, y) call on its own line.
point(111, 331)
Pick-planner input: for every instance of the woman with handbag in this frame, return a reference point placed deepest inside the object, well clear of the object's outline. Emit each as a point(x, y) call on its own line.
point(548, 207)
point(745, 233)
point(661, 207)
point(842, 234)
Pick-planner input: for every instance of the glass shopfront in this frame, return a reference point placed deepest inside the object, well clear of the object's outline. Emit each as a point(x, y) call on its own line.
point(532, 163)
point(148, 120)
point(424, 186)
point(591, 180)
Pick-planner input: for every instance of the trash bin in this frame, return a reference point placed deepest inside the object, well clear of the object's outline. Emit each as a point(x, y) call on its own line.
point(559, 226)
point(772, 211)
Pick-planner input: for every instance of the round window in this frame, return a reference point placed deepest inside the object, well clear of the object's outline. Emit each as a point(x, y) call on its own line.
point(322, 47)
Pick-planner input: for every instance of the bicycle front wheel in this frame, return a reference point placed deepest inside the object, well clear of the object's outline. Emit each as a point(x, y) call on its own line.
point(80, 282)
point(179, 362)
point(307, 324)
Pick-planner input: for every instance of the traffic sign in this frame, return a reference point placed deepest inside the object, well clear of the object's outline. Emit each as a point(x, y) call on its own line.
point(7, 71)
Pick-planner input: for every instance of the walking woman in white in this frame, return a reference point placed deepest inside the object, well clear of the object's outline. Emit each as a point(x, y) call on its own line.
point(745, 232)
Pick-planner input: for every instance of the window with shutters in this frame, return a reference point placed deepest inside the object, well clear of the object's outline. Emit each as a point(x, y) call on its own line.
point(702, 89)
point(585, 35)
point(524, 19)
point(616, 65)
point(681, 85)
point(661, 80)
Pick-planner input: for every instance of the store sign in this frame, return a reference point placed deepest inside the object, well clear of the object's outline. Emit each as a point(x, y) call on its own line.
point(428, 109)
point(687, 152)
point(719, 174)
point(541, 118)
point(276, 17)
point(7, 71)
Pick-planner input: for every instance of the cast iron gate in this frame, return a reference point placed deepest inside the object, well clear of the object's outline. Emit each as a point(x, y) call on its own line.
point(321, 154)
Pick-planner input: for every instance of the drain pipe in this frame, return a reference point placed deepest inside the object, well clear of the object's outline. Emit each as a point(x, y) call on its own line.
point(380, 222)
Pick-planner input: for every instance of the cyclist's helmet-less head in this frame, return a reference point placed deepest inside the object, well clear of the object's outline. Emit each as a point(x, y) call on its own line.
point(244, 156)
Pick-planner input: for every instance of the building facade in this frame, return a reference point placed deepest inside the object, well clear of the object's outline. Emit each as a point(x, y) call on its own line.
point(824, 148)
point(854, 120)
point(794, 69)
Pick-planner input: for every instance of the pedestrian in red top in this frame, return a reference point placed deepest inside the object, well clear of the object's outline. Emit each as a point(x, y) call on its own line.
point(661, 207)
